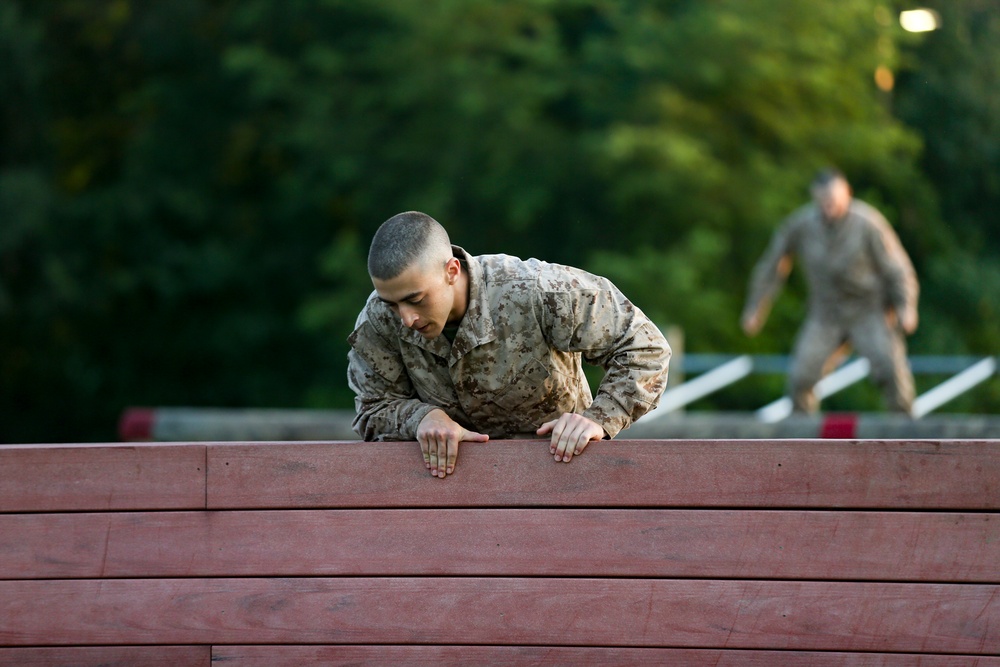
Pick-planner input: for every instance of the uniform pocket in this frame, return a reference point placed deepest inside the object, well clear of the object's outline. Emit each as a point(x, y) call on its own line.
point(529, 384)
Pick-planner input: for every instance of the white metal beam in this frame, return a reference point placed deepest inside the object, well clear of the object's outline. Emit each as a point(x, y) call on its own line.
point(703, 385)
point(952, 387)
point(843, 377)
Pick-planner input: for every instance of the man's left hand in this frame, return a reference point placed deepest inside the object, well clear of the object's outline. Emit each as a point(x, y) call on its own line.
point(571, 434)
point(908, 320)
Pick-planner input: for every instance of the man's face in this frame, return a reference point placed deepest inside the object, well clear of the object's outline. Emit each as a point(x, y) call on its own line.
point(833, 198)
point(423, 297)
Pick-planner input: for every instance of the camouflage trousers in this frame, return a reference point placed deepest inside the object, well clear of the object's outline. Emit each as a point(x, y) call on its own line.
point(820, 345)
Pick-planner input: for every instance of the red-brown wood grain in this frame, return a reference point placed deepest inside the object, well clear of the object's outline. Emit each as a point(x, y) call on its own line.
point(757, 544)
point(638, 473)
point(543, 656)
point(108, 656)
point(836, 616)
point(784, 552)
point(38, 478)
point(445, 656)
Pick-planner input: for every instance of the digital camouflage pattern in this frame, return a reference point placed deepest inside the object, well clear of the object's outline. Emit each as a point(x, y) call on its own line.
point(857, 273)
point(516, 359)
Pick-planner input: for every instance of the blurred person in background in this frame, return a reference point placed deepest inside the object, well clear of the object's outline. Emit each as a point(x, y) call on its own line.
point(862, 292)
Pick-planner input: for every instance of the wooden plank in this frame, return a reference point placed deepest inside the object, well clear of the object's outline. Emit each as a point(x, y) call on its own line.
point(714, 473)
point(522, 656)
point(753, 544)
point(51, 478)
point(735, 614)
point(108, 656)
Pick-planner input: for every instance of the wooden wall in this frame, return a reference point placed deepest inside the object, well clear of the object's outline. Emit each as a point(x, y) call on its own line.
point(784, 552)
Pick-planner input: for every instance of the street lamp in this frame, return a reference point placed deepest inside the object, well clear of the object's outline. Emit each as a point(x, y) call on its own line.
point(919, 20)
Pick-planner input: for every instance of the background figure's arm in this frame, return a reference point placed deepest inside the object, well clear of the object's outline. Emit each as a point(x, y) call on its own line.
point(767, 279)
point(897, 271)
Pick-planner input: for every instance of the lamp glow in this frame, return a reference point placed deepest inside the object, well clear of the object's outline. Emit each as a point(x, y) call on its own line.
point(919, 20)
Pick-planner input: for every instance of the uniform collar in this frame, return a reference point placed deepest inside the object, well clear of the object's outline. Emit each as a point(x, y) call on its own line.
point(477, 325)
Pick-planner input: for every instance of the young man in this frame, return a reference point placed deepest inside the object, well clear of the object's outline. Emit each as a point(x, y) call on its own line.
point(453, 348)
point(862, 290)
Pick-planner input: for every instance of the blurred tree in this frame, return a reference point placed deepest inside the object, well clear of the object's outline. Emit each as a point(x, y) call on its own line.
point(27, 328)
point(949, 91)
point(187, 188)
point(745, 101)
point(165, 270)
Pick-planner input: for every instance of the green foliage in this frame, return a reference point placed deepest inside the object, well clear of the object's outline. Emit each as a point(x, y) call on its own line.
point(187, 188)
point(746, 101)
point(949, 91)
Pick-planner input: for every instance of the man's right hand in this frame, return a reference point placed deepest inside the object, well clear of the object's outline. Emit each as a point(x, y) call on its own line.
point(439, 435)
point(751, 323)
point(908, 320)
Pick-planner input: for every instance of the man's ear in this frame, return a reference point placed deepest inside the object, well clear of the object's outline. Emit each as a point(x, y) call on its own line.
point(452, 269)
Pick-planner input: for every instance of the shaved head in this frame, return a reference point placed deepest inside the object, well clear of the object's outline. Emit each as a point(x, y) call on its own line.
point(825, 177)
point(407, 239)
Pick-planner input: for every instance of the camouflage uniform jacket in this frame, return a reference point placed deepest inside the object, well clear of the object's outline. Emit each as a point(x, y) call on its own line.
point(515, 362)
point(853, 266)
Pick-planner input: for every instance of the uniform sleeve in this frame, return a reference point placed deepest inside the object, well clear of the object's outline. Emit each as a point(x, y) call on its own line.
point(770, 272)
point(597, 320)
point(895, 267)
point(386, 405)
